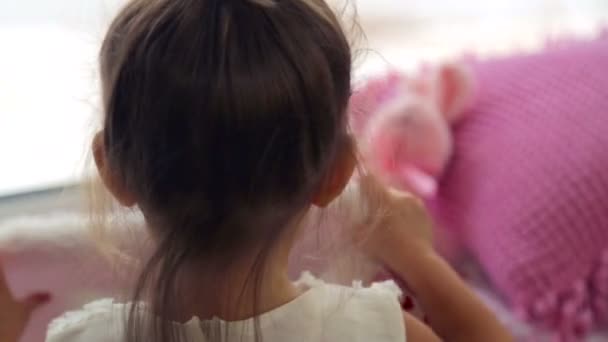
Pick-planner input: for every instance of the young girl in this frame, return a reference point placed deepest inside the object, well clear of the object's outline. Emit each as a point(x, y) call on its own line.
point(225, 121)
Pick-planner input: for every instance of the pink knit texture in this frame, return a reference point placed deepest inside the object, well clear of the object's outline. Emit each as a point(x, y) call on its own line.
point(527, 189)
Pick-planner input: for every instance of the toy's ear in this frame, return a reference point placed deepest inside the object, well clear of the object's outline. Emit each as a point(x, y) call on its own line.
point(388, 146)
point(454, 90)
point(375, 93)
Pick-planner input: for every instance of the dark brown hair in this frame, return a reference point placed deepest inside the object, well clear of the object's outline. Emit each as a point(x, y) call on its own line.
point(223, 118)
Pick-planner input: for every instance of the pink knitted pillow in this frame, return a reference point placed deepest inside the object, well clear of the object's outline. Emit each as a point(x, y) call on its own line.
point(527, 190)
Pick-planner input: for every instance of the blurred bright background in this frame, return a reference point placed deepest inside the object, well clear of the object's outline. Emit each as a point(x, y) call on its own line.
point(49, 91)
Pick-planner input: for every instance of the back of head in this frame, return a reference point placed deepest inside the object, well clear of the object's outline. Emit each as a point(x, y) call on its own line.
point(222, 117)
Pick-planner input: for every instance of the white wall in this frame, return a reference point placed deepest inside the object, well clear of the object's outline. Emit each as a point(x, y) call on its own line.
point(48, 89)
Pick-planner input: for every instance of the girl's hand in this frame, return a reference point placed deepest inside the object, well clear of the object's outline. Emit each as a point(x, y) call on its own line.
point(395, 221)
point(398, 234)
point(15, 314)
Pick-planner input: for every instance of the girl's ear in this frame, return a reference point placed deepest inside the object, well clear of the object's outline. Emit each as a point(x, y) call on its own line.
point(109, 178)
point(454, 89)
point(338, 177)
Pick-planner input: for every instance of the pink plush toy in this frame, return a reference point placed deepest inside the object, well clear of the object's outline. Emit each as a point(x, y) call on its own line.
point(403, 124)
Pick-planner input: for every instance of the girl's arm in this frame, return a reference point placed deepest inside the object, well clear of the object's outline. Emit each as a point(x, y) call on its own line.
point(400, 238)
point(417, 331)
point(455, 312)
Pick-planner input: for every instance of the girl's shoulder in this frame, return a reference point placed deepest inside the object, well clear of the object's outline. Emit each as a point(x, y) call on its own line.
point(357, 312)
point(323, 312)
point(382, 296)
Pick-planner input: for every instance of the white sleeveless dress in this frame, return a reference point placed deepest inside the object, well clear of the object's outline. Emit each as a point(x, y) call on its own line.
point(324, 312)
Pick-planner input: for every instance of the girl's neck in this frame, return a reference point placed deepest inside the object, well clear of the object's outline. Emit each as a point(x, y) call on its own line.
point(240, 291)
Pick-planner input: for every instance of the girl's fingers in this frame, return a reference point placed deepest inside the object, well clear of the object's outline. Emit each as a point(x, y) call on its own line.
point(4, 289)
point(28, 305)
point(32, 303)
point(376, 191)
